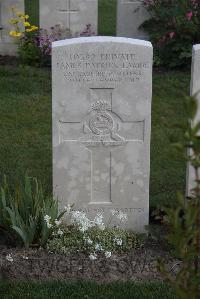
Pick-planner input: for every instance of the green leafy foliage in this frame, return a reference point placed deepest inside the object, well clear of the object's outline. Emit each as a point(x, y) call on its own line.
point(23, 209)
point(29, 52)
point(173, 28)
point(34, 48)
point(184, 220)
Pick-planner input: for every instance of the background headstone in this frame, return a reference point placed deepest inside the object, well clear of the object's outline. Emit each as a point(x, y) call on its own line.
point(70, 14)
point(8, 44)
point(194, 88)
point(102, 88)
point(130, 15)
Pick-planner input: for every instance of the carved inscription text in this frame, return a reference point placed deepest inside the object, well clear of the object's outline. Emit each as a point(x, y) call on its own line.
point(94, 67)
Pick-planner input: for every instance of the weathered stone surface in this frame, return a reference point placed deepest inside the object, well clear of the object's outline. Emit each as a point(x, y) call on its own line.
point(102, 90)
point(70, 14)
point(130, 15)
point(8, 44)
point(194, 89)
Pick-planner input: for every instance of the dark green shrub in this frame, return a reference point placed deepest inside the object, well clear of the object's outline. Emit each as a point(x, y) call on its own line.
point(173, 28)
point(29, 53)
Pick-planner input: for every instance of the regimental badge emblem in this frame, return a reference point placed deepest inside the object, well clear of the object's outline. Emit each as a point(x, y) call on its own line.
point(101, 126)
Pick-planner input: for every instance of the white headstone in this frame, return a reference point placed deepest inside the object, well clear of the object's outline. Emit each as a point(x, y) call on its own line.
point(8, 44)
point(102, 88)
point(194, 89)
point(130, 15)
point(69, 14)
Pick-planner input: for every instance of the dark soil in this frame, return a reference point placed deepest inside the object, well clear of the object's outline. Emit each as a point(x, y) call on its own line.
point(8, 60)
point(36, 264)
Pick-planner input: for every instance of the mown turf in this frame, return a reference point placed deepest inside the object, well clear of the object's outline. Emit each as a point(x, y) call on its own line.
point(25, 122)
point(80, 290)
point(107, 17)
point(25, 128)
point(168, 167)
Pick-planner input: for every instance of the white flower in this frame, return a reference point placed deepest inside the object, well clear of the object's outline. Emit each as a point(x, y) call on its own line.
point(98, 220)
point(101, 227)
point(98, 247)
point(58, 222)
point(83, 228)
point(77, 215)
point(122, 216)
point(9, 258)
point(118, 241)
point(68, 209)
point(60, 232)
point(25, 257)
point(108, 254)
point(81, 220)
point(47, 218)
point(89, 241)
point(49, 225)
point(93, 256)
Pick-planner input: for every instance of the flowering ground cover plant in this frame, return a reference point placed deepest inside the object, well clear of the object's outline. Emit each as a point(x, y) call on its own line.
point(32, 218)
point(174, 26)
point(93, 237)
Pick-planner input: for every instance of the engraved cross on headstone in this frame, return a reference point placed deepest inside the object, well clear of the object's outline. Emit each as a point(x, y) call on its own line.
point(102, 132)
point(68, 11)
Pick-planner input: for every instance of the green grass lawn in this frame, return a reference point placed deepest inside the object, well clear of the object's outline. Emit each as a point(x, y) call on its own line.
point(25, 113)
point(168, 167)
point(25, 130)
point(107, 17)
point(80, 290)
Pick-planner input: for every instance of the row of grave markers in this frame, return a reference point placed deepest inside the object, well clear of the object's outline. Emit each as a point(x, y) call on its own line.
point(102, 91)
point(73, 15)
